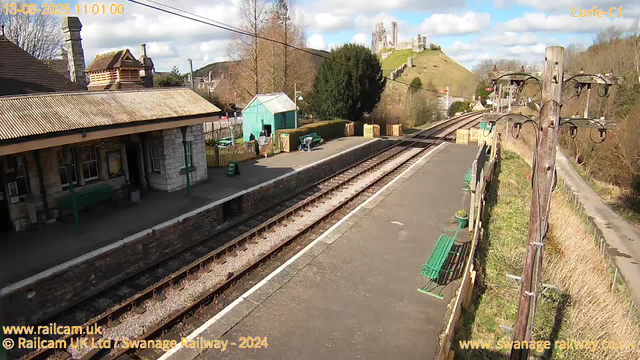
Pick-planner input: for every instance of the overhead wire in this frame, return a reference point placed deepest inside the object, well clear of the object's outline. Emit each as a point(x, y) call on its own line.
point(175, 11)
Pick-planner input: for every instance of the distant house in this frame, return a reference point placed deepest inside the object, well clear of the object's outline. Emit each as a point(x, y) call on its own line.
point(120, 70)
point(55, 136)
point(268, 112)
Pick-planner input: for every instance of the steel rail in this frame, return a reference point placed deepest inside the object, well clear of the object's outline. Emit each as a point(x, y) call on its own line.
point(247, 236)
point(177, 316)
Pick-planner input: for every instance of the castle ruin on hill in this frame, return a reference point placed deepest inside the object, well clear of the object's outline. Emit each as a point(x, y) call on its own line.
point(379, 40)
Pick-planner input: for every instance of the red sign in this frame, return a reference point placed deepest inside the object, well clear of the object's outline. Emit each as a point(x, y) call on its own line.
point(224, 118)
point(488, 89)
point(443, 91)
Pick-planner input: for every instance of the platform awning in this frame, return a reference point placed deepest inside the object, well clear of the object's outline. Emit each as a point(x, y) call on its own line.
point(40, 121)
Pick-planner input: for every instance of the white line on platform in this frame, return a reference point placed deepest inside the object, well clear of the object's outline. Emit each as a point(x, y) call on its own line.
point(61, 267)
point(257, 286)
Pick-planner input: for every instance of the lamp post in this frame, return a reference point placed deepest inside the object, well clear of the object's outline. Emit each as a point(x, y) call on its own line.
point(296, 98)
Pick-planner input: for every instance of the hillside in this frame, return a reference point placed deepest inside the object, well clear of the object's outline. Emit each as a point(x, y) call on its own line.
point(223, 67)
point(216, 69)
point(430, 66)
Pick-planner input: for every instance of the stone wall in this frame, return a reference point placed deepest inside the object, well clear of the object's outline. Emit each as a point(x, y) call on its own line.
point(47, 293)
point(171, 175)
point(174, 157)
point(19, 212)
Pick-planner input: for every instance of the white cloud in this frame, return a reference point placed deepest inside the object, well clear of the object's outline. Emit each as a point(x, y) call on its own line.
point(170, 40)
point(325, 22)
point(454, 24)
point(565, 23)
point(360, 39)
point(509, 38)
point(316, 41)
point(463, 48)
point(560, 6)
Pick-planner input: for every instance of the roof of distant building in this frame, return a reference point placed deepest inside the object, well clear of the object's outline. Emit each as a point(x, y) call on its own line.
point(276, 103)
point(114, 60)
point(32, 115)
point(21, 73)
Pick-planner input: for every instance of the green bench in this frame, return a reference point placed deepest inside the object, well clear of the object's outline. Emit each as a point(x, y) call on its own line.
point(432, 270)
point(466, 179)
point(317, 139)
point(86, 197)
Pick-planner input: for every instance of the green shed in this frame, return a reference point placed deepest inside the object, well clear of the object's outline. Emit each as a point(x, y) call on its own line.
point(268, 112)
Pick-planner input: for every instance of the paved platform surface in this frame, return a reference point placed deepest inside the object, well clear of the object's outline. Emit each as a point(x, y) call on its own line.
point(620, 235)
point(353, 293)
point(31, 251)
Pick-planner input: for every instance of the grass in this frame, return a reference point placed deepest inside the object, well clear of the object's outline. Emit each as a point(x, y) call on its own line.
point(430, 66)
point(397, 58)
point(501, 251)
point(583, 308)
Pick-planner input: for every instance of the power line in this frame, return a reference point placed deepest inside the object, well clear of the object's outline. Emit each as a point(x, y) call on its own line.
point(233, 29)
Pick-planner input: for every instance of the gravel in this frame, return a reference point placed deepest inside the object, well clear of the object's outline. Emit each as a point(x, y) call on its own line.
point(133, 325)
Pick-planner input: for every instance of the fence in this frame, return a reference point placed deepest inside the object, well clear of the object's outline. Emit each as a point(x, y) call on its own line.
point(214, 131)
point(599, 239)
point(481, 176)
point(220, 156)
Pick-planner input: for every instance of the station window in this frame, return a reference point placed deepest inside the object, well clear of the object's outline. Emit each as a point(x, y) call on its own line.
point(155, 158)
point(18, 181)
point(189, 156)
point(89, 162)
point(62, 169)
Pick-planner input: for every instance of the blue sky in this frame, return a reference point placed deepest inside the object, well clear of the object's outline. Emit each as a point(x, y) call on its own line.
point(468, 30)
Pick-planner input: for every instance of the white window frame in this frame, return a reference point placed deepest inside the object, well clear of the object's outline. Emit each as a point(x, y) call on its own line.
point(73, 165)
point(189, 155)
point(155, 158)
point(88, 150)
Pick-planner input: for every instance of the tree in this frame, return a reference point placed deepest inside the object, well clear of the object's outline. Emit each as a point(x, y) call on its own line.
point(459, 106)
point(481, 92)
point(175, 72)
point(416, 84)
point(244, 49)
point(38, 34)
point(349, 84)
point(267, 66)
point(164, 80)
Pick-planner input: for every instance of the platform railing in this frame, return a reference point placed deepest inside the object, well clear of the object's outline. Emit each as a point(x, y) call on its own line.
point(481, 176)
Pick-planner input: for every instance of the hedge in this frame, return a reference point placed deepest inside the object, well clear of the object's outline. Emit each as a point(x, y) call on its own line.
point(329, 129)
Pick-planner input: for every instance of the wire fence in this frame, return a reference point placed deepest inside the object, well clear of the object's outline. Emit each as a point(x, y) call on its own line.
point(618, 283)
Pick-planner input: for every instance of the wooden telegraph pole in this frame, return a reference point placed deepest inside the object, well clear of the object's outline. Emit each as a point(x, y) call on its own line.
point(543, 181)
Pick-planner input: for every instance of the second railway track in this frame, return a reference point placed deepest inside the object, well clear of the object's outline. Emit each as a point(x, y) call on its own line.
point(164, 295)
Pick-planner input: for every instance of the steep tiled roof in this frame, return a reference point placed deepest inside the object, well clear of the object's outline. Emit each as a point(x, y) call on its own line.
point(114, 60)
point(24, 116)
point(21, 73)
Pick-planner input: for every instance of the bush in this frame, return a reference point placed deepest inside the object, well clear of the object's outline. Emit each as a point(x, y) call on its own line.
point(459, 106)
point(328, 130)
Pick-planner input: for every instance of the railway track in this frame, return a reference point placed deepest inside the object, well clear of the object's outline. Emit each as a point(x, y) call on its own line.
point(173, 294)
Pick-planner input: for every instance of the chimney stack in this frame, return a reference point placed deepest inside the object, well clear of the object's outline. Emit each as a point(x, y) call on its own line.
point(147, 72)
point(71, 27)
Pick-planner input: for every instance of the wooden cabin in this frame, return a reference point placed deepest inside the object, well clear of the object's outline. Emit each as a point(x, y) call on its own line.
point(120, 70)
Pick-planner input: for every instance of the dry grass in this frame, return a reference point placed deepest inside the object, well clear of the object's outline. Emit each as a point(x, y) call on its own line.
point(596, 312)
point(583, 308)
